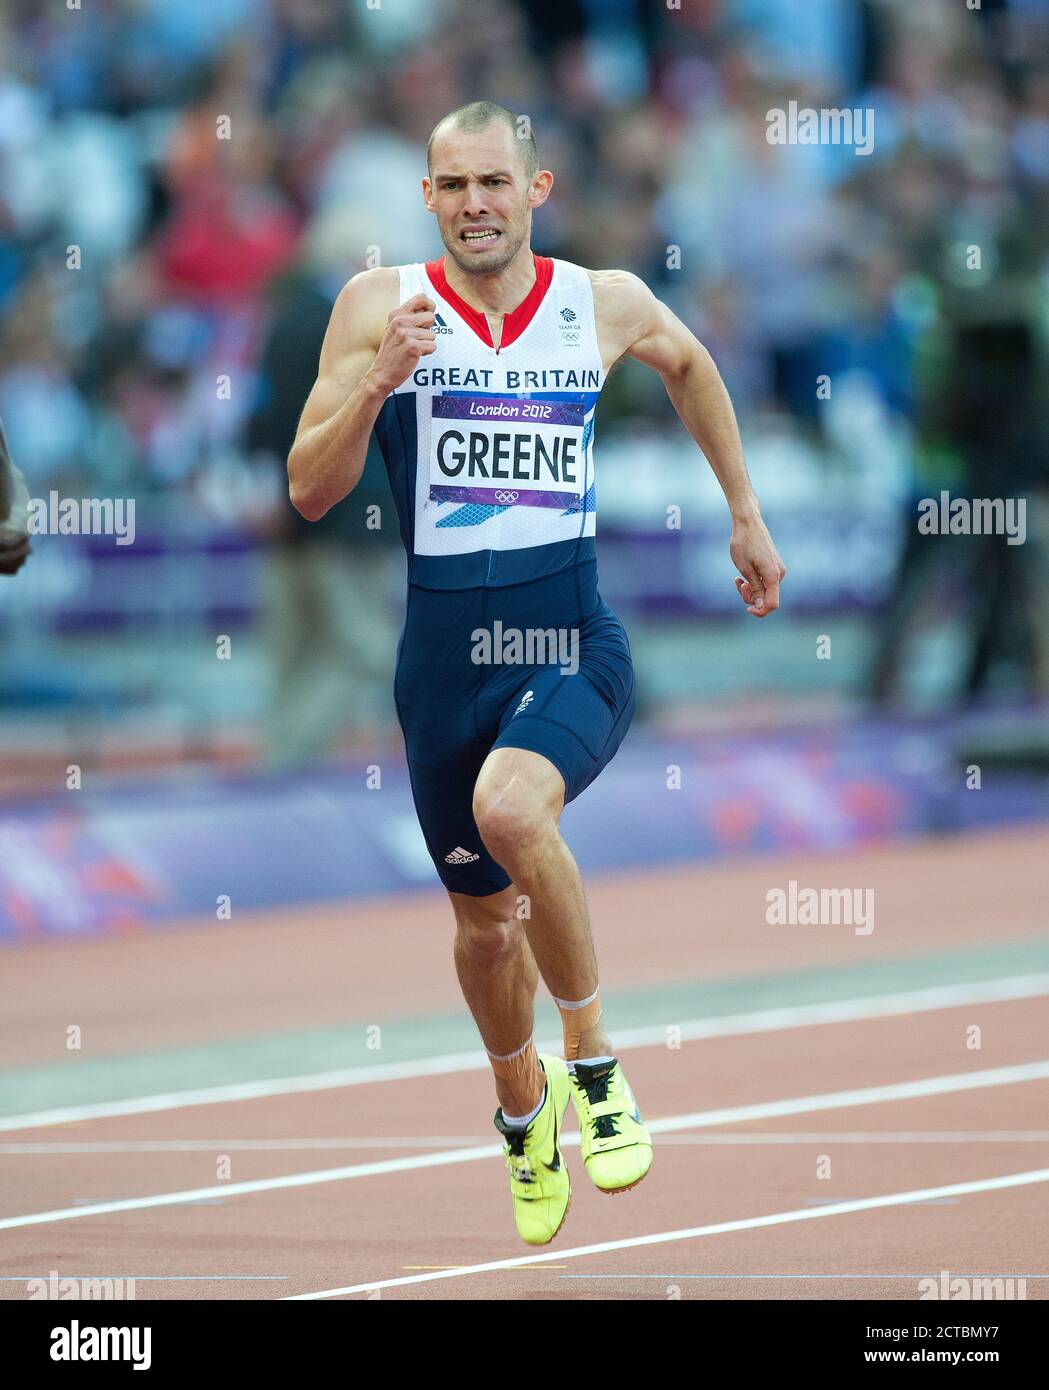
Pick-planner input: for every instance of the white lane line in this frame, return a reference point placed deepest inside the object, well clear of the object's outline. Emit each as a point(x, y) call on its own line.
point(73, 1147)
point(867, 1095)
point(237, 1189)
point(748, 1223)
point(833, 1100)
point(1005, 990)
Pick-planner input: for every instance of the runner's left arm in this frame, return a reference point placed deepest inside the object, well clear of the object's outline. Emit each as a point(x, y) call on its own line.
point(14, 513)
point(647, 330)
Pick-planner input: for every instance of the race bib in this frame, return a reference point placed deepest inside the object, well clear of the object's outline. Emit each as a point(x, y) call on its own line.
point(507, 451)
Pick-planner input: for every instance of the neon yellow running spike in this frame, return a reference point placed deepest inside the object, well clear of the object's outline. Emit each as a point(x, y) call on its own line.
point(539, 1182)
point(616, 1146)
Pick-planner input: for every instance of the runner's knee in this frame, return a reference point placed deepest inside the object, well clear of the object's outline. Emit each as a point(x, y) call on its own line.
point(512, 825)
point(486, 927)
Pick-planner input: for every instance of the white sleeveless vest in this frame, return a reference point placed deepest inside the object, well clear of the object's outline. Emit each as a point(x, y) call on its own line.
point(500, 460)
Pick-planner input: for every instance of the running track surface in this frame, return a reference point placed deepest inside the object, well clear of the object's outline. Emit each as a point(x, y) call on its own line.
point(837, 1116)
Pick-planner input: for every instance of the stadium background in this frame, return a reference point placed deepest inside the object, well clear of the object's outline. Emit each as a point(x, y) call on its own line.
point(170, 364)
point(871, 364)
point(197, 736)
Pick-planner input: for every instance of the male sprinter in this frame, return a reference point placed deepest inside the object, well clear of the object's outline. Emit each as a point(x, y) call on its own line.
point(480, 373)
point(14, 513)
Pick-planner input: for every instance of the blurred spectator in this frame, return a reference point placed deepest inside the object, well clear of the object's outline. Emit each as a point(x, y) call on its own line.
point(329, 628)
point(981, 408)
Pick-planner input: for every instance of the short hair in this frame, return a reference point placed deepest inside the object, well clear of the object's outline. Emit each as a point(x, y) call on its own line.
point(479, 115)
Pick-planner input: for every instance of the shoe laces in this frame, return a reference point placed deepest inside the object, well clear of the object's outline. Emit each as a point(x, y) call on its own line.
point(594, 1082)
point(516, 1159)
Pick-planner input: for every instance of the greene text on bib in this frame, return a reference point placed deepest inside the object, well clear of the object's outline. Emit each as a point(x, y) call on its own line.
point(507, 451)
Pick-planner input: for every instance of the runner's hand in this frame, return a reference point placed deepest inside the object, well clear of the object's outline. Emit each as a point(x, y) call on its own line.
point(757, 560)
point(406, 339)
point(14, 551)
point(14, 515)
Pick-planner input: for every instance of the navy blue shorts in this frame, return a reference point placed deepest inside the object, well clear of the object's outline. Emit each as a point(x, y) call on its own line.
point(454, 708)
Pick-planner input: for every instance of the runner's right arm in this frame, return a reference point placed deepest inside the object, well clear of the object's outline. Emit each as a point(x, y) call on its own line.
point(369, 349)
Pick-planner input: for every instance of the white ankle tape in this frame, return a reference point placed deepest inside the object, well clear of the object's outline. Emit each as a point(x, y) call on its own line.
point(511, 1055)
point(577, 1003)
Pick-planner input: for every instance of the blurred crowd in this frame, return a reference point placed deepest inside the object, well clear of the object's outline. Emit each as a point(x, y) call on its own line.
point(139, 245)
point(171, 173)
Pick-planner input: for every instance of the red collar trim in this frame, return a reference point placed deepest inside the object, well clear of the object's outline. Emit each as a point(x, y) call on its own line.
point(515, 322)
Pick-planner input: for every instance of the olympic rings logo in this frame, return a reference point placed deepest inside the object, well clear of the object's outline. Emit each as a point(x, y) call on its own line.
point(506, 497)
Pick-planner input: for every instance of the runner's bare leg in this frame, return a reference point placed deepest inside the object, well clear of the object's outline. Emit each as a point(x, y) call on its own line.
point(518, 800)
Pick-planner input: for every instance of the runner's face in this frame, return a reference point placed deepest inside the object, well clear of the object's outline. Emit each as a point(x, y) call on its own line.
point(480, 195)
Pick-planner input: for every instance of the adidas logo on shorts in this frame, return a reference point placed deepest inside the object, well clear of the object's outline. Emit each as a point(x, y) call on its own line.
point(460, 856)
